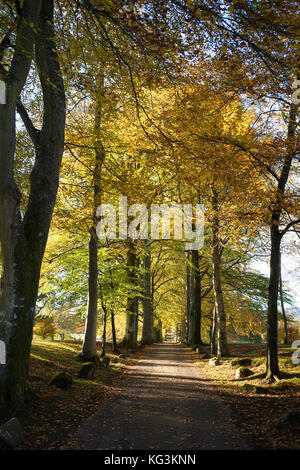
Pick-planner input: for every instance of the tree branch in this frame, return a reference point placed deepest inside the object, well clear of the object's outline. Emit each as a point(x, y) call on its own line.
point(31, 129)
point(289, 225)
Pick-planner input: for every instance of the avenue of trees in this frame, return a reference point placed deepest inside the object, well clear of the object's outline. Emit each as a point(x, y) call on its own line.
point(164, 102)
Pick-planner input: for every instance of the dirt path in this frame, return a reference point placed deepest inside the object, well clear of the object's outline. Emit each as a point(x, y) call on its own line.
point(163, 403)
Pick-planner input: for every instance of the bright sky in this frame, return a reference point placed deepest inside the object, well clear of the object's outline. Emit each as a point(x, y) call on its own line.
point(290, 273)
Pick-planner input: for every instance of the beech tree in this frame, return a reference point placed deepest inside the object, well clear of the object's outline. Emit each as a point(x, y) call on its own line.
point(24, 236)
point(89, 348)
point(147, 334)
point(130, 338)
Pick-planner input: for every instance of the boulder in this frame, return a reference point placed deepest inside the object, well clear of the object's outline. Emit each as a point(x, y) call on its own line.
point(263, 391)
point(87, 370)
point(291, 419)
point(243, 361)
point(251, 388)
point(62, 380)
point(215, 361)
point(243, 372)
point(11, 433)
point(106, 361)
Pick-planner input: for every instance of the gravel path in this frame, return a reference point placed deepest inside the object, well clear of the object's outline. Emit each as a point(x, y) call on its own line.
point(163, 403)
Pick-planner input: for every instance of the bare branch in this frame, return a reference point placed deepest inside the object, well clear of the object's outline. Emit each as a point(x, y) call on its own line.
point(31, 129)
point(288, 226)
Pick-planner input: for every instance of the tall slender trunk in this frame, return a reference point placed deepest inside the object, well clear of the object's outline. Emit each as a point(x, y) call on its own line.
point(222, 346)
point(112, 317)
point(89, 347)
point(196, 304)
point(286, 331)
point(136, 302)
point(129, 338)
point(213, 345)
point(188, 297)
point(272, 328)
point(103, 349)
point(272, 370)
point(23, 240)
point(177, 334)
point(191, 315)
point(113, 330)
point(147, 332)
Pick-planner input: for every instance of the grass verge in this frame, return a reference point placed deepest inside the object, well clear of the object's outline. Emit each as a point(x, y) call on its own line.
point(257, 413)
point(54, 414)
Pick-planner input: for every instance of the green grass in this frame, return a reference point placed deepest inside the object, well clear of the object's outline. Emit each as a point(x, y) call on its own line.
point(55, 413)
point(224, 375)
point(257, 414)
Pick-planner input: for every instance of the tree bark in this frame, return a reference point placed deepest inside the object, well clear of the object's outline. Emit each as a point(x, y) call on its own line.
point(222, 347)
point(129, 340)
point(195, 324)
point(89, 347)
point(213, 345)
point(286, 331)
point(112, 317)
point(147, 333)
point(136, 301)
point(23, 240)
point(103, 350)
point(272, 371)
point(188, 298)
point(272, 330)
point(113, 330)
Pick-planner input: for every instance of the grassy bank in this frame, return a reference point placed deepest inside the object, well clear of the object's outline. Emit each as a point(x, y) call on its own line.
point(257, 413)
point(55, 413)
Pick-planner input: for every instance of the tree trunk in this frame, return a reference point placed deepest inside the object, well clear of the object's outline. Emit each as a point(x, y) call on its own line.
point(112, 317)
point(103, 349)
point(129, 338)
point(188, 298)
point(213, 345)
point(136, 301)
point(196, 304)
point(272, 371)
point(136, 319)
point(147, 333)
point(286, 331)
point(89, 347)
point(113, 330)
point(272, 329)
point(23, 241)
point(222, 347)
